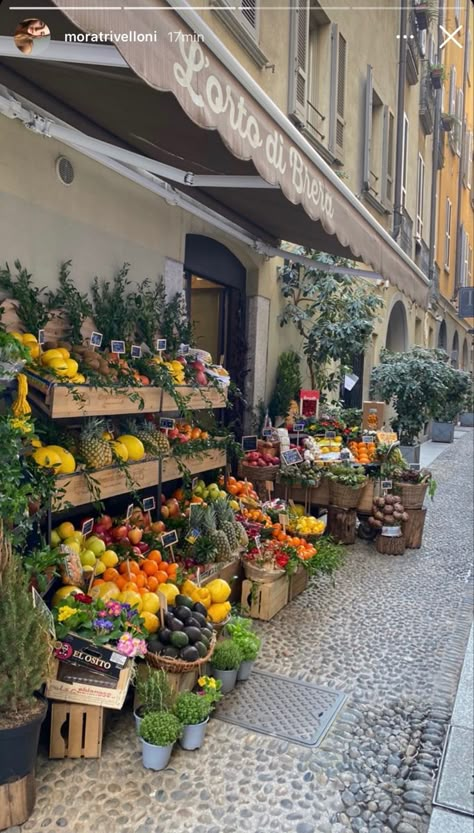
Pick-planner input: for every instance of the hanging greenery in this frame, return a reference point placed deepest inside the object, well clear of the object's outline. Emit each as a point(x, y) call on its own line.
point(73, 305)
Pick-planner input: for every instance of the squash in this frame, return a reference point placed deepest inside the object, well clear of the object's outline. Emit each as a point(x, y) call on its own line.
point(219, 612)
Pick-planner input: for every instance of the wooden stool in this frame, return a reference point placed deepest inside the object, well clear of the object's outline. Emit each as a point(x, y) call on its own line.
point(76, 731)
point(342, 524)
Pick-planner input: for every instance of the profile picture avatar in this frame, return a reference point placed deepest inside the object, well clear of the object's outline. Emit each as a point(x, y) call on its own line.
point(32, 36)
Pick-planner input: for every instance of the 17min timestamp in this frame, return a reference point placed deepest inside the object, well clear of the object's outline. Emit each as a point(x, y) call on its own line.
point(184, 37)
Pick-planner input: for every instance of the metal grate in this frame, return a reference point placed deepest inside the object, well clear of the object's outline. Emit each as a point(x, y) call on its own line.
point(65, 170)
point(256, 705)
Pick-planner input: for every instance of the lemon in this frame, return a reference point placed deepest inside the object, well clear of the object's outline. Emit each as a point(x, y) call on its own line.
point(150, 603)
point(120, 449)
point(36, 443)
point(99, 567)
point(55, 538)
point(65, 530)
point(151, 622)
point(35, 349)
point(29, 338)
point(77, 536)
point(78, 378)
point(59, 366)
point(107, 590)
point(130, 597)
point(134, 446)
point(63, 592)
point(46, 457)
point(68, 463)
point(170, 591)
point(109, 558)
point(88, 558)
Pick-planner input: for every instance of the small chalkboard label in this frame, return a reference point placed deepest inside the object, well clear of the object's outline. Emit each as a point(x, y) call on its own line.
point(87, 526)
point(96, 339)
point(41, 337)
point(298, 427)
point(136, 351)
point(168, 539)
point(249, 443)
point(267, 432)
point(166, 422)
point(184, 349)
point(149, 503)
point(386, 484)
point(117, 347)
point(415, 467)
point(160, 344)
point(130, 509)
point(367, 438)
point(291, 457)
point(330, 435)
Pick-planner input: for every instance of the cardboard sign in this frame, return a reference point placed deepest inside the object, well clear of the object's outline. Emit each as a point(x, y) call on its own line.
point(87, 526)
point(269, 485)
point(96, 339)
point(77, 651)
point(44, 611)
point(168, 539)
point(291, 457)
point(250, 443)
point(136, 351)
point(373, 415)
point(41, 337)
point(117, 347)
point(167, 423)
point(149, 503)
point(161, 344)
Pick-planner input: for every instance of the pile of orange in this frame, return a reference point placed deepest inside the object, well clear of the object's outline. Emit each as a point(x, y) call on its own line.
point(257, 516)
point(304, 549)
point(141, 576)
point(191, 431)
point(238, 488)
point(362, 452)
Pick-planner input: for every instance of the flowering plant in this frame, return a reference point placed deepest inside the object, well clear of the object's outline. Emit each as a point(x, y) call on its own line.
point(210, 687)
point(102, 622)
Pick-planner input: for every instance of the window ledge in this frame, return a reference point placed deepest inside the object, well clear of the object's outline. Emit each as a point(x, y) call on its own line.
point(241, 33)
point(375, 203)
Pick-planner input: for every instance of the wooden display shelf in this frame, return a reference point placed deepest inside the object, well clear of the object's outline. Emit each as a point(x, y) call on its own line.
point(111, 481)
point(62, 401)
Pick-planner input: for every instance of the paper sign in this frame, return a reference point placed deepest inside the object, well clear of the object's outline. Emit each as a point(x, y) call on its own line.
point(96, 339)
point(166, 422)
point(386, 484)
point(350, 381)
point(291, 457)
point(249, 443)
point(269, 485)
point(44, 611)
point(86, 527)
point(161, 344)
point(168, 539)
point(130, 509)
point(136, 351)
point(149, 504)
point(41, 337)
point(117, 347)
point(367, 438)
point(415, 467)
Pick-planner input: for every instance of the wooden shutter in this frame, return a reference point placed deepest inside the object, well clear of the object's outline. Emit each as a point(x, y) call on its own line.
point(368, 129)
point(249, 12)
point(341, 89)
point(298, 80)
point(387, 155)
point(452, 92)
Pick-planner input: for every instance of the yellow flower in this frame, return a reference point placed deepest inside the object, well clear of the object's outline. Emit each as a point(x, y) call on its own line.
point(65, 612)
point(212, 682)
point(202, 681)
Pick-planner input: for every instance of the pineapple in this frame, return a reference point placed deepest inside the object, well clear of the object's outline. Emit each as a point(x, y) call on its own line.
point(204, 550)
point(154, 441)
point(242, 534)
point(225, 522)
point(217, 536)
point(95, 451)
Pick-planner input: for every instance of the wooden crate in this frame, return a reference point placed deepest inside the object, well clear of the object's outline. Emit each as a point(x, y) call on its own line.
point(197, 399)
point(17, 801)
point(111, 481)
point(265, 600)
point(215, 458)
point(76, 731)
point(298, 582)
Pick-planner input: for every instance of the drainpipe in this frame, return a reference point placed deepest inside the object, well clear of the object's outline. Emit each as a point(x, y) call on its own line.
point(397, 208)
point(458, 262)
point(434, 174)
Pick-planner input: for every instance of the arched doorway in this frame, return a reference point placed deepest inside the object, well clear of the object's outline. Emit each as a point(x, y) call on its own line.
point(465, 355)
point(397, 330)
point(443, 337)
point(455, 350)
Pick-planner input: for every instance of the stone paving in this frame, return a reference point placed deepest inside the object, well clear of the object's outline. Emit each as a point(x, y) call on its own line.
point(389, 632)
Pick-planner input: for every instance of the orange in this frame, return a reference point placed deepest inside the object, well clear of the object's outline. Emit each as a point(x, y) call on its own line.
point(128, 567)
point(155, 555)
point(111, 574)
point(98, 581)
point(121, 582)
point(140, 580)
point(195, 433)
point(152, 583)
point(231, 481)
point(233, 489)
point(204, 435)
point(162, 576)
point(130, 585)
point(179, 494)
point(149, 567)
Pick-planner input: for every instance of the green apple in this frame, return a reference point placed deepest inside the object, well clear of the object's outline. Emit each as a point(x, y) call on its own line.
point(201, 484)
point(88, 558)
point(73, 544)
point(78, 536)
point(198, 491)
point(96, 545)
point(55, 538)
point(99, 567)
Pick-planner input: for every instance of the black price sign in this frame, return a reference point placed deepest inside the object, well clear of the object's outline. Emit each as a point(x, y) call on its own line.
point(415, 467)
point(193, 535)
point(267, 432)
point(291, 457)
point(117, 347)
point(367, 438)
point(184, 349)
point(96, 339)
point(169, 539)
point(386, 485)
point(149, 504)
point(330, 435)
point(250, 443)
point(41, 337)
point(160, 344)
point(87, 526)
point(298, 427)
point(166, 422)
point(136, 351)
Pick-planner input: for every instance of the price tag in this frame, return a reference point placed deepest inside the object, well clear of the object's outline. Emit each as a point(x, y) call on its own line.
point(169, 539)
point(87, 526)
point(298, 427)
point(193, 535)
point(345, 454)
point(257, 540)
point(330, 435)
point(117, 347)
point(149, 504)
point(167, 423)
point(291, 457)
point(269, 485)
point(267, 432)
point(184, 349)
point(96, 339)
point(367, 438)
point(130, 509)
point(386, 485)
point(44, 612)
point(194, 483)
point(250, 443)
point(283, 520)
point(415, 467)
point(41, 337)
point(161, 344)
point(136, 351)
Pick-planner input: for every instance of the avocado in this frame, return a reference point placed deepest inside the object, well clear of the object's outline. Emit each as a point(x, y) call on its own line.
point(207, 633)
point(164, 635)
point(194, 634)
point(169, 619)
point(183, 613)
point(171, 652)
point(189, 654)
point(176, 625)
point(179, 639)
point(184, 600)
point(199, 608)
point(200, 619)
point(193, 622)
point(155, 646)
point(201, 648)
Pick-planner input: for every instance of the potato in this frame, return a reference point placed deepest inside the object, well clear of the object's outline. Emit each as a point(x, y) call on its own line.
point(398, 507)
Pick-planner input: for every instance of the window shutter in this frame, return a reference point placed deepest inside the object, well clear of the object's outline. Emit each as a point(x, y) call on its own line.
point(452, 92)
point(458, 128)
point(368, 129)
point(337, 91)
point(298, 81)
point(341, 90)
point(249, 12)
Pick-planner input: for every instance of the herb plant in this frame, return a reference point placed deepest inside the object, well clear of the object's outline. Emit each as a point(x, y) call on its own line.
point(160, 728)
point(240, 631)
point(287, 385)
point(154, 691)
point(148, 304)
point(227, 656)
point(192, 708)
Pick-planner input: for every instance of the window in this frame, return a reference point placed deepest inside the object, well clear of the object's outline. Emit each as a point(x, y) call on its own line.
point(447, 235)
point(457, 10)
point(298, 81)
point(469, 267)
point(420, 197)
point(459, 122)
point(390, 126)
point(317, 121)
point(403, 196)
point(337, 92)
point(243, 21)
point(464, 258)
point(452, 91)
point(375, 146)
point(466, 163)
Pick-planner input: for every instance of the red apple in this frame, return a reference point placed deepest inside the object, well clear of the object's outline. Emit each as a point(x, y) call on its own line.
point(201, 378)
point(119, 532)
point(106, 521)
point(107, 539)
point(198, 365)
point(182, 360)
point(165, 512)
point(142, 546)
point(173, 433)
point(183, 438)
point(135, 535)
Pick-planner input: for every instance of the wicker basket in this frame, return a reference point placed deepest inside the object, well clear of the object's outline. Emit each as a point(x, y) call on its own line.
point(366, 499)
point(412, 495)
point(254, 573)
point(179, 666)
point(258, 473)
point(345, 497)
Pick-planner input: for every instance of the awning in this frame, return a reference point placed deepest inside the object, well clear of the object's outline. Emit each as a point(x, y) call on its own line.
point(193, 113)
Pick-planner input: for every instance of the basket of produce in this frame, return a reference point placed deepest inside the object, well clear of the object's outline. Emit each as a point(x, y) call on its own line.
point(388, 513)
point(185, 640)
point(412, 487)
point(264, 574)
point(346, 484)
point(262, 563)
point(258, 466)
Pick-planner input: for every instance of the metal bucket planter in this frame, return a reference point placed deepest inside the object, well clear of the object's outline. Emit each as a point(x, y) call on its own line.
point(139, 714)
point(193, 735)
point(411, 453)
point(442, 432)
point(467, 420)
point(156, 757)
point(227, 678)
point(245, 669)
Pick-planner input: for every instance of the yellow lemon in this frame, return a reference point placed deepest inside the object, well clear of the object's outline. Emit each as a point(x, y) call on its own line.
point(47, 458)
point(64, 353)
point(49, 355)
point(109, 558)
point(132, 598)
point(18, 336)
point(150, 602)
point(55, 538)
point(99, 568)
point(29, 338)
point(63, 592)
point(107, 590)
point(134, 446)
point(170, 591)
point(120, 449)
point(66, 530)
point(59, 366)
point(68, 463)
point(151, 622)
point(106, 435)
point(36, 443)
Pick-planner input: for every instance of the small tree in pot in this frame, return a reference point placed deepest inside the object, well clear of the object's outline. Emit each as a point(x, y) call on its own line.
point(225, 664)
point(457, 383)
point(159, 732)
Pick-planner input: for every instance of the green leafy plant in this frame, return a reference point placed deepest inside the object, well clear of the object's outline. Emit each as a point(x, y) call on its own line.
point(353, 476)
point(16, 489)
point(28, 299)
point(41, 565)
point(240, 630)
point(227, 655)
point(112, 312)
point(160, 728)
point(457, 384)
point(148, 303)
point(175, 325)
point(72, 304)
point(329, 557)
point(11, 350)
point(287, 386)
point(154, 691)
point(192, 708)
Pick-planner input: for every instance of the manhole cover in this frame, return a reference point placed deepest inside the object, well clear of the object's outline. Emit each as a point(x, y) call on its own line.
point(285, 708)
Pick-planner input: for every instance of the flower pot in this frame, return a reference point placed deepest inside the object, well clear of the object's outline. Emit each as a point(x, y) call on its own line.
point(193, 735)
point(467, 420)
point(447, 123)
point(411, 453)
point(227, 678)
point(436, 82)
point(139, 714)
point(156, 757)
point(19, 747)
point(442, 432)
point(245, 669)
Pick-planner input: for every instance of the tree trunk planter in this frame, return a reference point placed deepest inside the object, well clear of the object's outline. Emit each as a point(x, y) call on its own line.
point(442, 432)
point(342, 524)
point(193, 736)
point(18, 752)
point(412, 495)
point(390, 545)
point(413, 528)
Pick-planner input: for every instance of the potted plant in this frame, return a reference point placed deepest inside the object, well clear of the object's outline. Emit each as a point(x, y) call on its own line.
point(225, 664)
point(13, 356)
point(159, 732)
point(240, 630)
point(467, 413)
point(153, 694)
point(193, 709)
point(24, 656)
point(424, 11)
point(457, 383)
point(447, 122)
point(345, 485)
point(437, 75)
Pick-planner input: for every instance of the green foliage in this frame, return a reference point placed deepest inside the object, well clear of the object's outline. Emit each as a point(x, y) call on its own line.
point(333, 313)
point(227, 655)
point(329, 557)
point(75, 305)
point(11, 351)
point(457, 385)
point(112, 312)
point(287, 386)
point(346, 475)
point(15, 490)
point(41, 565)
point(160, 728)
point(147, 305)
point(25, 642)
point(240, 631)
point(175, 325)
point(31, 310)
point(154, 691)
point(191, 708)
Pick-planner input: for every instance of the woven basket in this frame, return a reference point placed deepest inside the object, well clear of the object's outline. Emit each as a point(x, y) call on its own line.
point(366, 499)
point(179, 666)
point(258, 473)
point(345, 497)
point(254, 573)
point(412, 495)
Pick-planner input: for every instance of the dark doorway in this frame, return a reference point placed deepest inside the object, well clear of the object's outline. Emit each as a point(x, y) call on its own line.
point(353, 398)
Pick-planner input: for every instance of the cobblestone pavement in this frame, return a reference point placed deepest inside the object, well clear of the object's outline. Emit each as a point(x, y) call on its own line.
point(390, 633)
